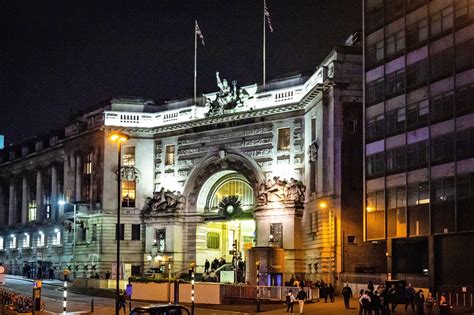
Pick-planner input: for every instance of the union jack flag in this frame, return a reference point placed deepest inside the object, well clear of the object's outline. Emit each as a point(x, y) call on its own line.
point(267, 15)
point(199, 33)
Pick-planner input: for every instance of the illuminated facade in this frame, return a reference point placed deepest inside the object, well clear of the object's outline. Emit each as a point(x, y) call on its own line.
point(270, 166)
point(419, 131)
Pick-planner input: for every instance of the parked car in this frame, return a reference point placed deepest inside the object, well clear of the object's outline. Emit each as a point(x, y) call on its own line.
point(161, 309)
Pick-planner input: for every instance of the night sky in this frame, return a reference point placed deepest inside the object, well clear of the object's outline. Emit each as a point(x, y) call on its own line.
point(59, 57)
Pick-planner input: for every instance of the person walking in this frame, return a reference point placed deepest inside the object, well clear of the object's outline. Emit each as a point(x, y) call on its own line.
point(301, 297)
point(410, 296)
point(290, 299)
point(430, 302)
point(207, 265)
point(331, 293)
point(122, 302)
point(51, 273)
point(347, 294)
point(443, 305)
point(66, 273)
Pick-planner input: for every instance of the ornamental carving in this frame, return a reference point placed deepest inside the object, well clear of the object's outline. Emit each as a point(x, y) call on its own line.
point(130, 173)
point(313, 151)
point(164, 201)
point(281, 191)
point(228, 97)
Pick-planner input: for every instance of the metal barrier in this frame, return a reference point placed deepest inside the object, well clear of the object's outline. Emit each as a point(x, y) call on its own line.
point(273, 293)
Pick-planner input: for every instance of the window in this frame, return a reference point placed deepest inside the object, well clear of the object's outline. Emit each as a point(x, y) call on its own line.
point(374, 19)
point(395, 121)
point(375, 215)
point(121, 232)
point(375, 91)
point(417, 113)
point(128, 193)
point(465, 55)
point(442, 21)
point(442, 106)
point(88, 164)
point(395, 83)
point(161, 240)
point(375, 164)
point(417, 73)
point(412, 4)
point(12, 244)
point(395, 159)
point(47, 206)
point(442, 64)
point(461, 11)
point(94, 232)
point(465, 100)
point(395, 43)
point(314, 222)
point(465, 199)
point(32, 210)
point(169, 155)
point(56, 237)
point(375, 53)
point(394, 8)
point(2, 243)
point(40, 240)
point(417, 154)
point(375, 127)
point(396, 212)
point(213, 240)
point(442, 190)
point(283, 139)
point(26, 241)
point(442, 148)
point(351, 240)
point(87, 177)
point(418, 208)
point(418, 194)
point(417, 32)
point(135, 232)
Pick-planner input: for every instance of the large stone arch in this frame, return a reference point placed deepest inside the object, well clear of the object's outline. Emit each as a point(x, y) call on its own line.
point(215, 162)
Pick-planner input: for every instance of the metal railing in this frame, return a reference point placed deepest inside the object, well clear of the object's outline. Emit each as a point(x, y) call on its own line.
point(273, 293)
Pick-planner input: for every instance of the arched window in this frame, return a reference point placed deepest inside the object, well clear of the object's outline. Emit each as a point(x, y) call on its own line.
point(232, 184)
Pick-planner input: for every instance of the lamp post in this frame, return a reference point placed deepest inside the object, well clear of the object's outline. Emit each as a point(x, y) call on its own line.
point(74, 206)
point(119, 138)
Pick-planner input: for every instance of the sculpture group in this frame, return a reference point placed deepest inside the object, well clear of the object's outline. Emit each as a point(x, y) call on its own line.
point(164, 201)
point(227, 98)
point(281, 191)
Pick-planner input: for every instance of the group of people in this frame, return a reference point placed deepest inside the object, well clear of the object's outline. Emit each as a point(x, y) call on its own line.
point(384, 301)
point(27, 272)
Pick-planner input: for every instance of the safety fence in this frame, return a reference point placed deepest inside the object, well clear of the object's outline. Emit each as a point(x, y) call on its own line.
point(273, 293)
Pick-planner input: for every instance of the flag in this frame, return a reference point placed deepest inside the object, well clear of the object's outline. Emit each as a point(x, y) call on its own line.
point(267, 15)
point(199, 33)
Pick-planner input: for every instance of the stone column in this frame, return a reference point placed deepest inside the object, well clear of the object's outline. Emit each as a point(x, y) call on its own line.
point(11, 202)
point(78, 178)
point(39, 196)
point(24, 199)
point(54, 192)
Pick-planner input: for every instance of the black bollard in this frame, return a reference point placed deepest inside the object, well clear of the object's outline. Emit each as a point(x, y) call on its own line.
point(92, 305)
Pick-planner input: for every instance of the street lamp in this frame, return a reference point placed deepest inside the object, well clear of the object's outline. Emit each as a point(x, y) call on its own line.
point(62, 203)
point(119, 138)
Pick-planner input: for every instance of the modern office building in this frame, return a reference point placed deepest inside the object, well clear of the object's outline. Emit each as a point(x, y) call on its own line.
point(419, 138)
point(275, 167)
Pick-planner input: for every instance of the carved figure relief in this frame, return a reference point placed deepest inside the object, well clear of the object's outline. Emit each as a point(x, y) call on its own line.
point(281, 191)
point(164, 201)
point(228, 97)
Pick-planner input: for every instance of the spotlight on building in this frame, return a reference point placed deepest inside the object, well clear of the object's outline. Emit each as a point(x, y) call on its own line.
point(323, 205)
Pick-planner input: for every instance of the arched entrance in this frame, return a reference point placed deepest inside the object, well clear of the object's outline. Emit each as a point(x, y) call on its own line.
point(226, 203)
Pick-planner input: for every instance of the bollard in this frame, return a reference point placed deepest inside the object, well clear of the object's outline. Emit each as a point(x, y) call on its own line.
point(464, 299)
point(192, 288)
point(457, 299)
point(471, 299)
point(65, 298)
point(258, 286)
point(449, 301)
point(92, 305)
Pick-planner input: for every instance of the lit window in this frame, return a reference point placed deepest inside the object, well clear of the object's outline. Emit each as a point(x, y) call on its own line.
point(40, 240)
point(32, 210)
point(128, 193)
point(88, 164)
point(12, 244)
point(284, 139)
point(169, 157)
point(56, 237)
point(213, 240)
point(161, 240)
point(47, 206)
point(2, 244)
point(26, 241)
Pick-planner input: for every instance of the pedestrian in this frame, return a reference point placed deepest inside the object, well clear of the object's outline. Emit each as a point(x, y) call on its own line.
point(301, 297)
point(107, 275)
point(331, 293)
point(215, 264)
point(324, 292)
point(443, 305)
point(51, 273)
point(365, 302)
point(66, 273)
point(361, 292)
point(206, 266)
point(347, 294)
point(122, 301)
point(292, 280)
point(393, 297)
point(420, 303)
point(39, 273)
point(290, 299)
point(430, 302)
point(410, 296)
point(370, 286)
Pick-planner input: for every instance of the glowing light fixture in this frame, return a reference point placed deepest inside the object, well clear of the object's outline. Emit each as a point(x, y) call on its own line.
point(118, 136)
point(323, 205)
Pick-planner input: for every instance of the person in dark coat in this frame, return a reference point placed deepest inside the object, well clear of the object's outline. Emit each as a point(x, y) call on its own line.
point(331, 293)
point(443, 305)
point(347, 294)
point(324, 292)
point(420, 303)
point(206, 266)
point(410, 296)
point(51, 273)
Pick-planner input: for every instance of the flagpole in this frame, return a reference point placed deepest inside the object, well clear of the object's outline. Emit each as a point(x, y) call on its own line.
point(264, 54)
point(195, 59)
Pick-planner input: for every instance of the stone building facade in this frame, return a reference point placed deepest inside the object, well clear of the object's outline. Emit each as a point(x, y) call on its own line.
point(274, 166)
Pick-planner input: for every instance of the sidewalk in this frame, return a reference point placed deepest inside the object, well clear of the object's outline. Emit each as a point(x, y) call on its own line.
point(56, 282)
